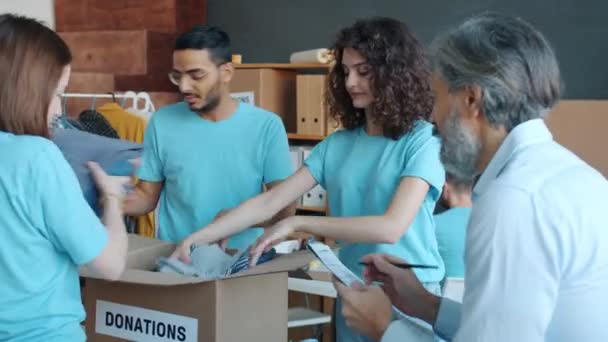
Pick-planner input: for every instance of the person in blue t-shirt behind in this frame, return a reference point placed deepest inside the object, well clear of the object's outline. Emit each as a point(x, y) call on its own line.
point(451, 225)
point(47, 229)
point(206, 155)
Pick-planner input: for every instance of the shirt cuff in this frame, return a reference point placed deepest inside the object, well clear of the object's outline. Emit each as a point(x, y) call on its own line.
point(406, 330)
point(448, 319)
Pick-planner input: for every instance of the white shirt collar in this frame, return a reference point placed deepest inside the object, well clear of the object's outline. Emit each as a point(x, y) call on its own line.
point(523, 135)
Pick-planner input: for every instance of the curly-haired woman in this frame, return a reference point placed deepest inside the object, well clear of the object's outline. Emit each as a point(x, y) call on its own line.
point(382, 171)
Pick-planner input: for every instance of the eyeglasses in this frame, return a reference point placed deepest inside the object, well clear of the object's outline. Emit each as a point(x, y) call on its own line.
point(176, 77)
point(195, 75)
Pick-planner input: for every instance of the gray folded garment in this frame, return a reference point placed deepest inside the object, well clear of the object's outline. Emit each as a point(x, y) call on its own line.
point(208, 262)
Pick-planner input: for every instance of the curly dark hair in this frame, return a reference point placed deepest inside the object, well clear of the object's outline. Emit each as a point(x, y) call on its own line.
point(400, 76)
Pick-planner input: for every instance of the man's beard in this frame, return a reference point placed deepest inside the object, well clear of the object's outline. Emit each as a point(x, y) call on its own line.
point(460, 149)
point(212, 101)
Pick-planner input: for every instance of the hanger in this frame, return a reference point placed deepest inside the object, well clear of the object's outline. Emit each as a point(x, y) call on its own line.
point(93, 102)
point(129, 95)
point(148, 104)
point(113, 96)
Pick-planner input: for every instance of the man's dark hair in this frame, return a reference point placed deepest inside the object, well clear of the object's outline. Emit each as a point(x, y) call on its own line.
point(205, 37)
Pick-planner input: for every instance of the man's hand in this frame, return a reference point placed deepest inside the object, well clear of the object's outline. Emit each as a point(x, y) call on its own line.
point(366, 309)
point(143, 198)
point(109, 186)
point(402, 287)
point(136, 163)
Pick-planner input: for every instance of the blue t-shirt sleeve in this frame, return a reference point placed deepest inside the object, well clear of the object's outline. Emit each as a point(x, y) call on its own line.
point(423, 161)
point(277, 162)
point(69, 222)
point(151, 169)
point(316, 161)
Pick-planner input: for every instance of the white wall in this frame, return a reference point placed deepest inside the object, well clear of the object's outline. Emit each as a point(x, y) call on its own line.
point(40, 9)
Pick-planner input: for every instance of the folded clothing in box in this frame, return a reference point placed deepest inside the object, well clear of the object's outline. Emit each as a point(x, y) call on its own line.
point(211, 262)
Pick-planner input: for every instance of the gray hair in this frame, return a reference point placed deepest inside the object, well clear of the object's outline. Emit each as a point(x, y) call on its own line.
point(508, 59)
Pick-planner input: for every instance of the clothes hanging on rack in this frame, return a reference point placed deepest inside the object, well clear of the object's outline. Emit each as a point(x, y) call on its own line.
point(66, 123)
point(94, 122)
point(128, 126)
point(88, 120)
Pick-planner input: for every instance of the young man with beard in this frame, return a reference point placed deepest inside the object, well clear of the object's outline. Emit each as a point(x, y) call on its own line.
point(537, 240)
point(209, 153)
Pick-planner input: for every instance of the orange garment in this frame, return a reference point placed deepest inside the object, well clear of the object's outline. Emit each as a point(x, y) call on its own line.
point(129, 127)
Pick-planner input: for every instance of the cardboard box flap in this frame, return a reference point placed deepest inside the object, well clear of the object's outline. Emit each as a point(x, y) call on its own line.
point(145, 259)
point(138, 242)
point(144, 277)
point(156, 278)
point(144, 251)
point(141, 254)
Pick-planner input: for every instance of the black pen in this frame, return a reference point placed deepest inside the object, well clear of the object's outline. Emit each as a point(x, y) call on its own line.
point(402, 265)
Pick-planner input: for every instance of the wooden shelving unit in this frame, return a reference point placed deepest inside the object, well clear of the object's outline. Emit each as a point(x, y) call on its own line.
point(285, 66)
point(311, 209)
point(296, 136)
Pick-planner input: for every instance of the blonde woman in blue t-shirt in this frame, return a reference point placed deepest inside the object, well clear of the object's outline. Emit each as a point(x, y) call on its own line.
point(47, 229)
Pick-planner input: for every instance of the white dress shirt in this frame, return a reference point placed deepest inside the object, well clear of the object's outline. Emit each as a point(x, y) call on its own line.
point(536, 250)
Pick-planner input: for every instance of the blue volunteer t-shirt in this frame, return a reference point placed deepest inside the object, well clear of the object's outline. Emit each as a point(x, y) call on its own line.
point(451, 237)
point(47, 230)
point(211, 166)
point(361, 174)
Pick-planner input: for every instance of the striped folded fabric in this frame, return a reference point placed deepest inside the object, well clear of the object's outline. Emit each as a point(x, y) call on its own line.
point(243, 257)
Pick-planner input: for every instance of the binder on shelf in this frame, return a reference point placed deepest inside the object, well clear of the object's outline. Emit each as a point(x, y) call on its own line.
point(311, 111)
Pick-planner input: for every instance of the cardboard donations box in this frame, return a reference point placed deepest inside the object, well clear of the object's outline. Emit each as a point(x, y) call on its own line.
point(150, 306)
